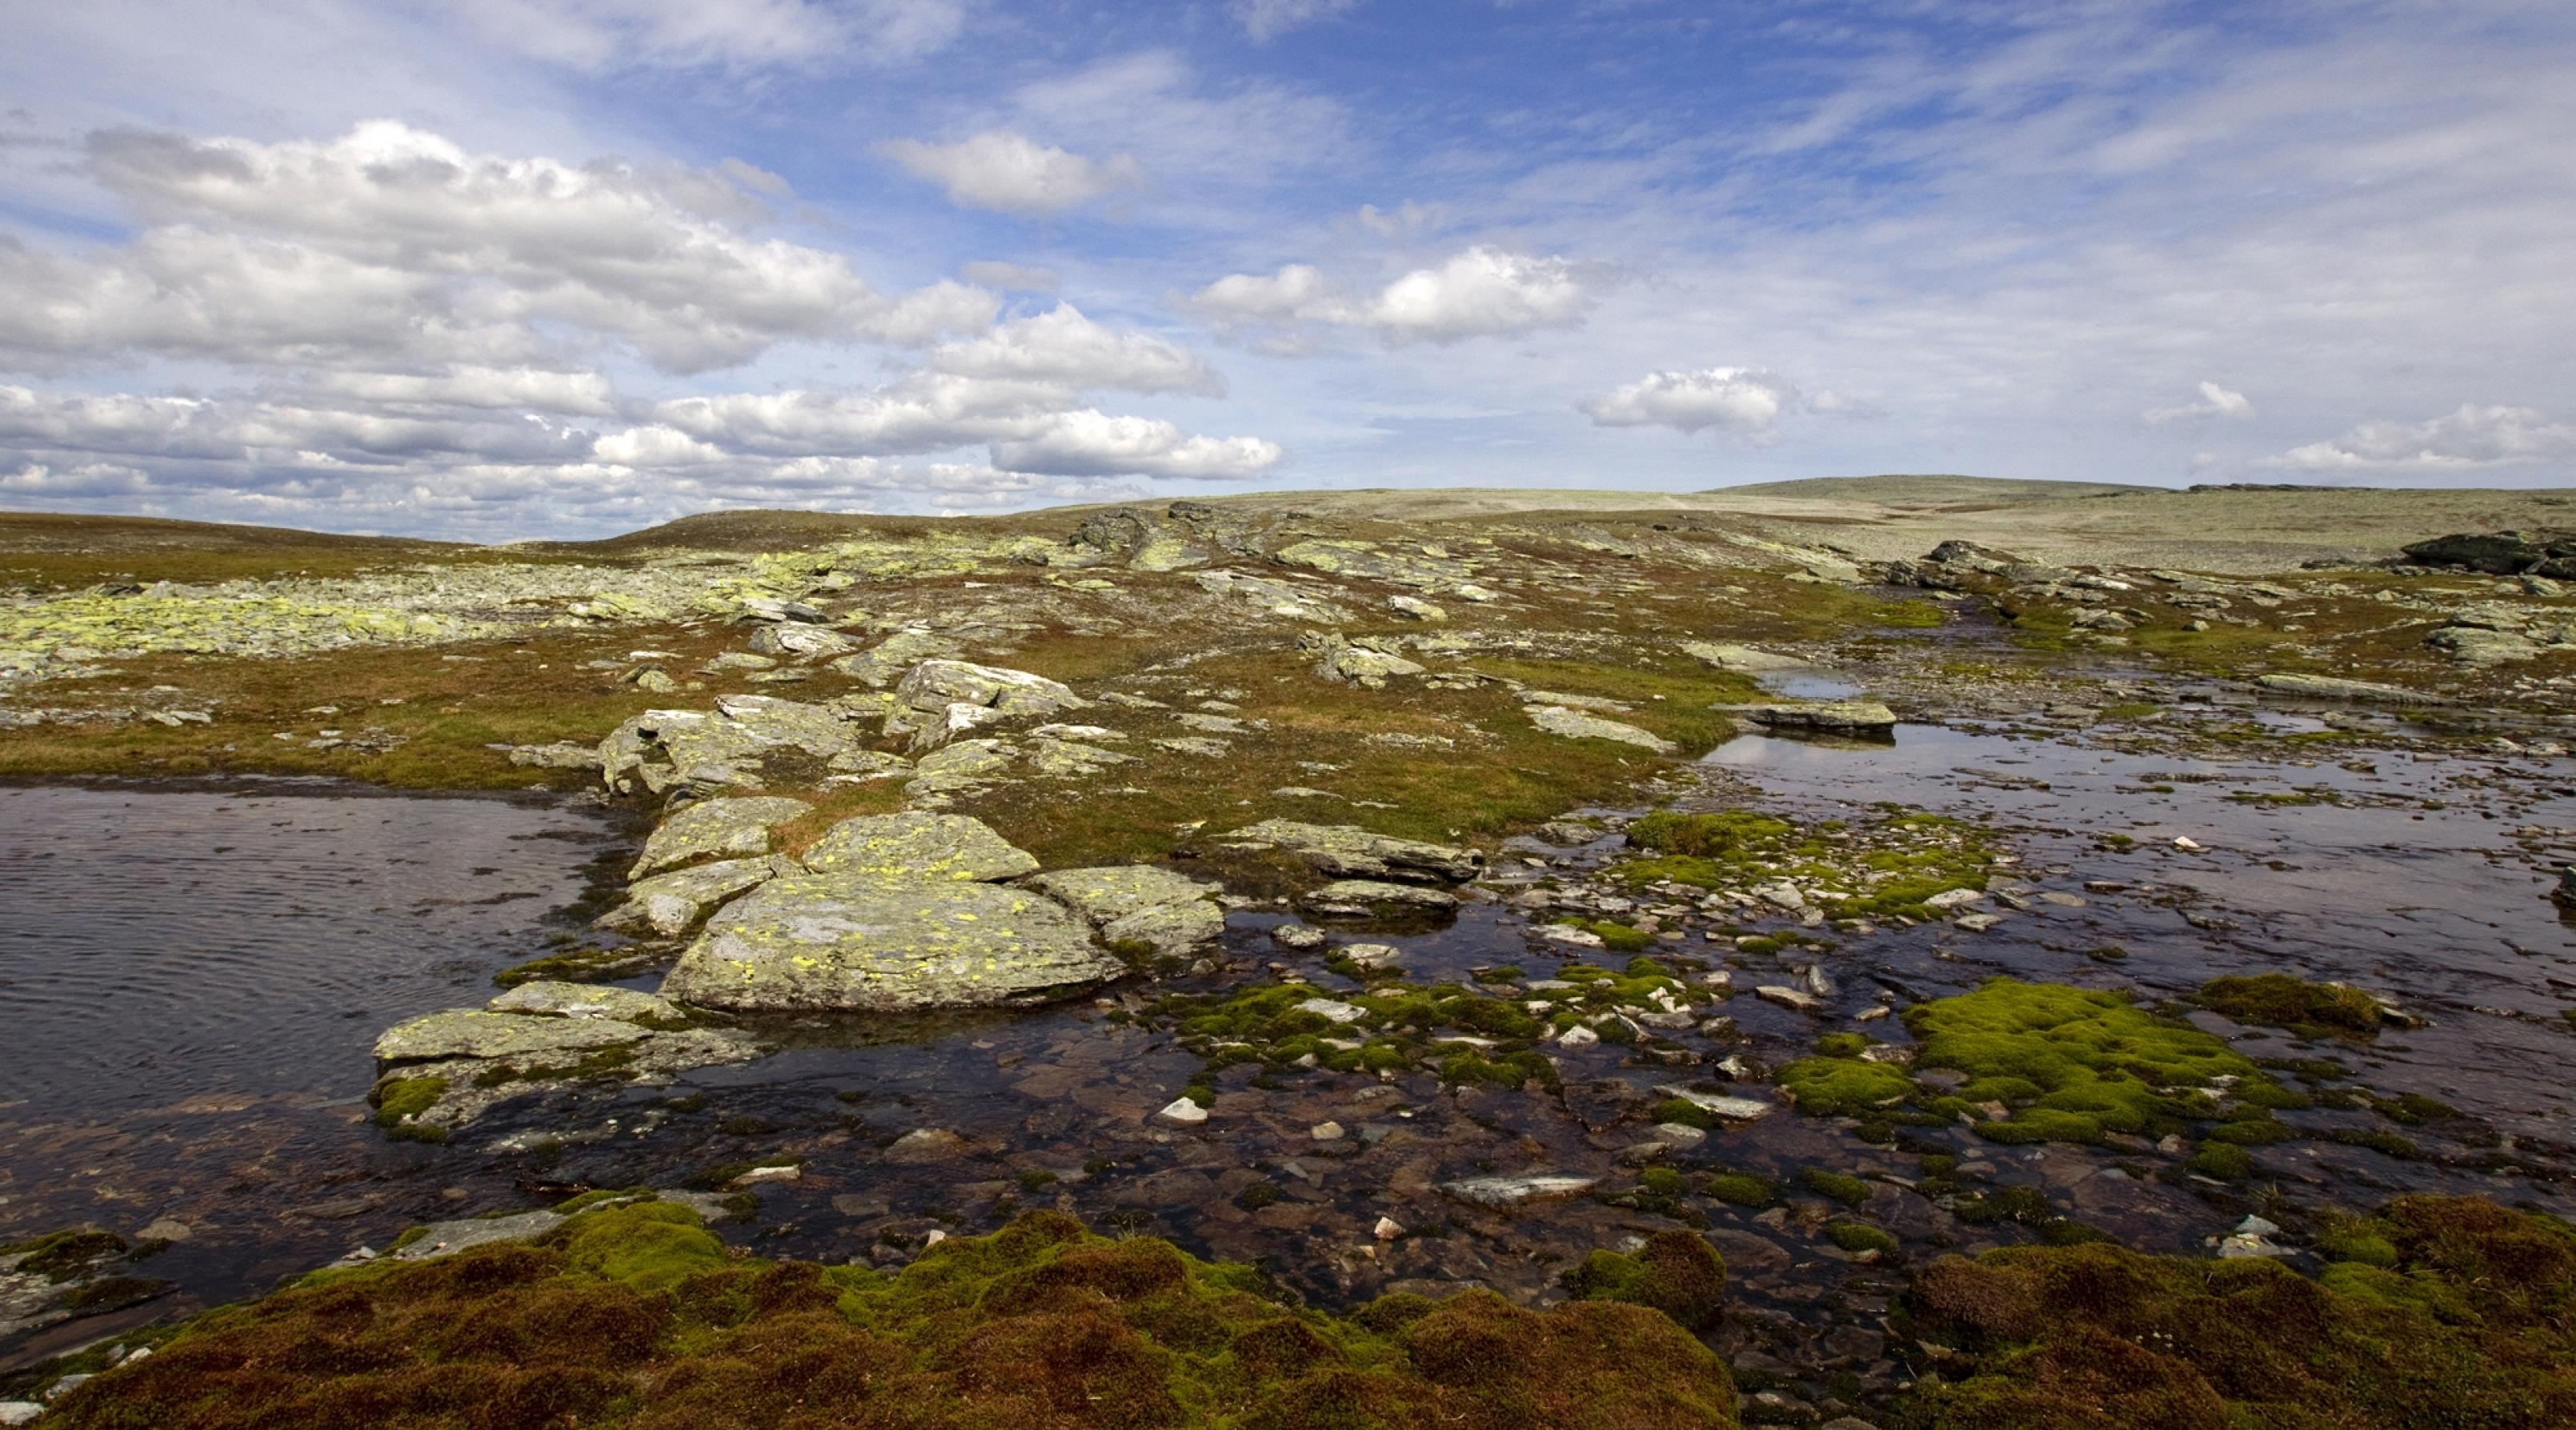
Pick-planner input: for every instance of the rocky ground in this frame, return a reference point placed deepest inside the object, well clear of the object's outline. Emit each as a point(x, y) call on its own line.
point(1358, 900)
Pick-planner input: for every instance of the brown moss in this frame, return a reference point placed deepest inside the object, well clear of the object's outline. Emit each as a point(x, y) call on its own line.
point(634, 1316)
point(2468, 1324)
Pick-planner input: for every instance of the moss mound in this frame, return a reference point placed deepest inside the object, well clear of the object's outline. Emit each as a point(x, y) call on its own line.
point(1675, 1272)
point(637, 1316)
point(2460, 1313)
point(2073, 1065)
point(2277, 1000)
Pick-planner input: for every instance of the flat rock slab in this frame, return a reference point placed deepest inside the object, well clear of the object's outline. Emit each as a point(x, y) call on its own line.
point(585, 1000)
point(715, 827)
point(1840, 715)
point(1733, 1109)
point(917, 845)
point(1116, 890)
point(2362, 692)
point(671, 904)
point(472, 1033)
point(1358, 898)
point(1575, 725)
point(1353, 852)
point(856, 941)
point(1742, 659)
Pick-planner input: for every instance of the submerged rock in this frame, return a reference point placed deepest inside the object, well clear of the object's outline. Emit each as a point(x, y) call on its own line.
point(1348, 850)
point(732, 827)
point(1513, 1191)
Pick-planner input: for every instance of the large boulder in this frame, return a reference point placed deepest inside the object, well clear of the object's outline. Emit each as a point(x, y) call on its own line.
point(2500, 553)
point(671, 904)
point(1348, 851)
point(1840, 717)
point(711, 828)
point(864, 942)
point(728, 746)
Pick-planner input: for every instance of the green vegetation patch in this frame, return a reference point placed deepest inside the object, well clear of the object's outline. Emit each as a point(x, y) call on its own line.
point(636, 1316)
point(2456, 1312)
point(2074, 1065)
point(1675, 1272)
point(2278, 1000)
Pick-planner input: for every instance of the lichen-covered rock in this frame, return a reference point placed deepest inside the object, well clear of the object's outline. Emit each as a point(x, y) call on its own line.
point(1741, 659)
point(917, 845)
point(585, 1000)
point(803, 642)
point(1139, 905)
point(856, 941)
point(476, 1033)
point(671, 904)
point(1838, 716)
point(884, 663)
point(1071, 759)
point(1574, 724)
point(561, 755)
point(2332, 687)
point(938, 700)
point(1368, 661)
point(710, 828)
point(1350, 851)
point(1278, 598)
point(728, 746)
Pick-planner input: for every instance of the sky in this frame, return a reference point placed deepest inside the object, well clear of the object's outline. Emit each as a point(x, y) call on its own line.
point(497, 269)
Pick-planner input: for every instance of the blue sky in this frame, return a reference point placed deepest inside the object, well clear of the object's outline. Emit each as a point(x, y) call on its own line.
point(493, 268)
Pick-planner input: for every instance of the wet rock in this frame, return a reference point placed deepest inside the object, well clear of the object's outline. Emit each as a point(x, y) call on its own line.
point(2360, 692)
point(671, 904)
point(1184, 1111)
point(1364, 898)
point(1368, 661)
point(1499, 1192)
point(861, 940)
point(917, 846)
point(1333, 1010)
point(1732, 1109)
point(1350, 851)
point(715, 827)
point(1574, 724)
point(925, 1145)
point(1797, 1000)
point(1299, 936)
point(1838, 716)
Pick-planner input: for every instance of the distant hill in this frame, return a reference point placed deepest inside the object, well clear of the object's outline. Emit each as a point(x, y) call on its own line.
point(1927, 489)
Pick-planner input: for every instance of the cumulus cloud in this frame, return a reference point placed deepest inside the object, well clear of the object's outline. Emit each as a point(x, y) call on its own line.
point(1063, 346)
point(1012, 173)
point(2470, 438)
point(2215, 401)
point(583, 393)
point(1090, 443)
point(396, 247)
point(1478, 292)
point(1263, 19)
point(1737, 398)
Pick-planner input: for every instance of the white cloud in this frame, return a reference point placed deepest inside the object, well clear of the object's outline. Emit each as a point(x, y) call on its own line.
point(2215, 401)
point(2472, 437)
point(584, 393)
point(1478, 292)
point(1093, 444)
point(1263, 19)
point(1062, 346)
point(1737, 398)
point(1012, 173)
point(602, 35)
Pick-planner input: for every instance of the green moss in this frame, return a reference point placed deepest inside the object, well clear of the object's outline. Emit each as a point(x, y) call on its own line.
point(2073, 1065)
point(1675, 1272)
point(2463, 1314)
point(2281, 1001)
point(60, 1256)
point(1843, 1086)
point(635, 1316)
point(1741, 1189)
point(400, 1099)
point(2226, 1161)
point(1849, 1190)
point(1856, 1237)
